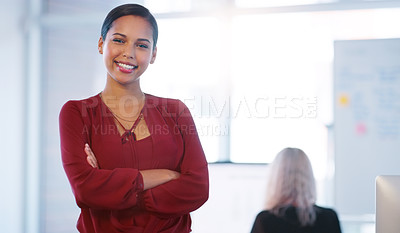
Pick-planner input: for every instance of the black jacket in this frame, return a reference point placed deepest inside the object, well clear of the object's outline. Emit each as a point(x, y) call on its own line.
point(327, 222)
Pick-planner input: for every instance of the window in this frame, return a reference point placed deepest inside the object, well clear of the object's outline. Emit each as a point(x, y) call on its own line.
point(188, 66)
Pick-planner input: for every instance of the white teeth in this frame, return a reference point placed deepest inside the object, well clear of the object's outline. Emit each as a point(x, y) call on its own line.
point(126, 66)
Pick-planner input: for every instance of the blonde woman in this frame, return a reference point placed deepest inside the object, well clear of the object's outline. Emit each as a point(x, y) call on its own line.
point(290, 200)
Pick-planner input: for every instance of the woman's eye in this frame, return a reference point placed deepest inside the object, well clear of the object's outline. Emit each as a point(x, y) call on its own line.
point(118, 40)
point(142, 46)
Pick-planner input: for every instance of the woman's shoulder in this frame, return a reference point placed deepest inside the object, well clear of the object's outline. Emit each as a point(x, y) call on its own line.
point(169, 104)
point(265, 214)
point(78, 106)
point(157, 100)
point(88, 102)
point(325, 212)
point(327, 218)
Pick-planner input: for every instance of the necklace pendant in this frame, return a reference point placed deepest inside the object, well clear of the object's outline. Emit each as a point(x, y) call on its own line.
point(125, 137)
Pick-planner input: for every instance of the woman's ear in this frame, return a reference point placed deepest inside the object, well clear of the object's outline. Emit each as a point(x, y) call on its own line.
point(100, 45)
point(154, 55)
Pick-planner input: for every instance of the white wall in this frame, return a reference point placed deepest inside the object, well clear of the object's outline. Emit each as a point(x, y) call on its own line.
point(237, 194)
point(12, 63)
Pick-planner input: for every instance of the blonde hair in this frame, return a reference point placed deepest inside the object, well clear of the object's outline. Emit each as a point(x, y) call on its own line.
point(291, 183)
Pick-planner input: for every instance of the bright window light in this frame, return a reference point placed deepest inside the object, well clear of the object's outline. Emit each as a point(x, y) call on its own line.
point(163, 6)
point(275, 75)
point(188, 67)
point(274, 3)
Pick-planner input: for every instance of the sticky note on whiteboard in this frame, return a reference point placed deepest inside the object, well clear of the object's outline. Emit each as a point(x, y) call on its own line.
point(343, 100)
point(361, 128)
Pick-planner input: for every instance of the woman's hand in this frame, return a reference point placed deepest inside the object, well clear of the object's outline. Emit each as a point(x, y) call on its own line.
point(155, 177)
point(91, 159)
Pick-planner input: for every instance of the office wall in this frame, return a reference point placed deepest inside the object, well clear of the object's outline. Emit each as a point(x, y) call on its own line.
point(12, 63)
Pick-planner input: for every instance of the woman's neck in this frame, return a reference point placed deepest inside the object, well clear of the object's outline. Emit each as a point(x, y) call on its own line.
point(116, 90)
point(123, 98)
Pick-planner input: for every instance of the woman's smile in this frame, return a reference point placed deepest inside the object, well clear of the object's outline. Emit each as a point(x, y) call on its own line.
point(126, 67)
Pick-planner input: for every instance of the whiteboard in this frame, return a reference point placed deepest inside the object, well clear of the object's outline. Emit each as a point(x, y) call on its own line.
point(366, 120)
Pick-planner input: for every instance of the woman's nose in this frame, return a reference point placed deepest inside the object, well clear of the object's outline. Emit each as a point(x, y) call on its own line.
point(129, 53)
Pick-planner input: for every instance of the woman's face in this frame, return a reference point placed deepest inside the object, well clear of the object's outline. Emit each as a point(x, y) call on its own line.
point(128, 49)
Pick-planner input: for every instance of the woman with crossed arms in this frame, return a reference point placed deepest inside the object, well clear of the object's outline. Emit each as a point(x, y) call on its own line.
point(134, 160)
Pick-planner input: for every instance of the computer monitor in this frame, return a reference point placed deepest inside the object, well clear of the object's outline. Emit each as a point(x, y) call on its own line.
point(387, 211)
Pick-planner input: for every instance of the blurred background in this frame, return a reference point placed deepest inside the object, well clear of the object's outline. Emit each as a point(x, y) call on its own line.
point(256, 74)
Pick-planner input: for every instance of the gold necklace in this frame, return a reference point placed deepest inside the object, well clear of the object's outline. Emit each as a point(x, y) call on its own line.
point(121, 118)
point(128, 120)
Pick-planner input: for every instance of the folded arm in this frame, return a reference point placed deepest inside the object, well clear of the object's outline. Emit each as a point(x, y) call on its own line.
point(93, 187)
point(191, 189)
point(151, 177)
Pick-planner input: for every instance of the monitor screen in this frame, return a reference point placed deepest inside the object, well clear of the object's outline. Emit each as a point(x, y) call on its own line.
point(387, 204)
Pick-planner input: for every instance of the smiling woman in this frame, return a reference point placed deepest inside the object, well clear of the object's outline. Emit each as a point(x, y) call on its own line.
point(127, 48)
point(134, 160)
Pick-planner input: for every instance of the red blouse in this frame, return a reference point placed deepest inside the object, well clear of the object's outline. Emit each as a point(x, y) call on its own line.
point(111, 198)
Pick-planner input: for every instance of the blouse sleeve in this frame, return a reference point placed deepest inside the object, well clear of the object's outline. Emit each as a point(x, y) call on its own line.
point(92, 187)
point(335, 223)
point(191, 189)
point(258, 225)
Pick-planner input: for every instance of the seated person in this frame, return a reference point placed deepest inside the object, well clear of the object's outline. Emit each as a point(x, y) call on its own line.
point(290, 199)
